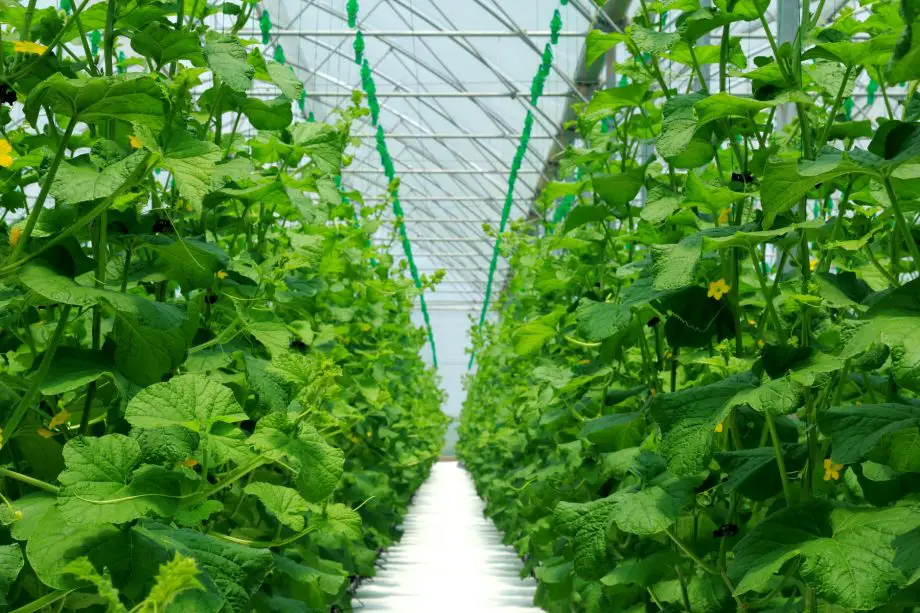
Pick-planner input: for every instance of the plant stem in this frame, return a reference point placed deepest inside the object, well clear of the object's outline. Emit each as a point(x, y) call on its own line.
point(44, 601)
point(901, 223)
point(25, 403)
point(690, 554)
point(768, 296)
point(780, 461)
point(37, 483)
point(43, 193)
point(825, 133)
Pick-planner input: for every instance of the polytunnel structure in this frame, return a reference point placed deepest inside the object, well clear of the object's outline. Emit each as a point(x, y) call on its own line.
point(577, 306)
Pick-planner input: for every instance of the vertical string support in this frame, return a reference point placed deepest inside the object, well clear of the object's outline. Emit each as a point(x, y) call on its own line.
point(386, 161)
point(536, 91)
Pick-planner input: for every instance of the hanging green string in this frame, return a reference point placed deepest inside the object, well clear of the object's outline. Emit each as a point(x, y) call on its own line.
point(386, 161)
point(352, 13)
point(279, 54)
point(370, 88)
point(555, 26)
point(311, 117)
point(624, 81)
point(66, 6)
point(536, 91)
point(95, 39)
point(871, 90)
point(358, 46)
point(848, 105)
point(265, 24)
point(302, 101)
point(120, 67)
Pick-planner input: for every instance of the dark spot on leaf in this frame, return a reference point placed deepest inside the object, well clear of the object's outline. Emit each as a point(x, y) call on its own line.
point(163, 226)
point(654, 321)
point(298, 345)
point(726, 530)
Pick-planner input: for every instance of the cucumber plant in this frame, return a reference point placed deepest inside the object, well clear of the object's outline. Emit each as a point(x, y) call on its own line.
point(211, 397)
point(701, 392)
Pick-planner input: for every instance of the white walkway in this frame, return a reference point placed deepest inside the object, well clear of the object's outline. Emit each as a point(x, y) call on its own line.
point(450, 559)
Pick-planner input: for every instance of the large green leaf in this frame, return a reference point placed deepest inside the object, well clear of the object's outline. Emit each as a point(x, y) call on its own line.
point(163, 44)
point(193, 402)
point(230, 573)
point(135, 98)
point(104, 482)
point(856, 432)
point(601, 320)
point(284, 503)
point(317, 467)
point(655, 507)
point(226, 56)
point(77, 182)
point(322, 143)
point(268, 114)
point(853, 557)
point(11, 562)
point(688, 418)
point(531, 337)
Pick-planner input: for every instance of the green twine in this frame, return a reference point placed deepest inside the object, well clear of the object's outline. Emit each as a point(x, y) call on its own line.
point(848, 105)
point(352, 13)
point(555, 27)
point(95, 39)
point(358, 46)
point(302, 101)
point(386, 161)
point(624, 81)
point(871, 90)
point(370, 88)
point(121, 68)
point(66, 6)
point(279, 54)
point(265, 24)
point(311, 117)
point(536, 91)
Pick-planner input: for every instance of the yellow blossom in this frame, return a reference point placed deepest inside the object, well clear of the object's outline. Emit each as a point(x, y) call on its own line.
point(654, 392)
point(189, 208)
point(27, 46)
point(752, 322)
point(719, 427)
point(369, 434)
point(583, 362)
point(45, 432)
point(15, 233)
point(831, 470)
point(60, 419)
point(717, 289)
point(190, 463)
point(135, 142)
point(760, 342)
point(221, 274)
point(6, 149)
point(723, 215)
point(812, 262)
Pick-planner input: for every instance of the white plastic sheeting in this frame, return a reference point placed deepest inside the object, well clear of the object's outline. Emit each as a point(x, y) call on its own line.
point(450, 559)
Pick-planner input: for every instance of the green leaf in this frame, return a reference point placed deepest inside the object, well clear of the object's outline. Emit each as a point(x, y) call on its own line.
point(81, 182)
point(531, 337)
point(189, 261)
point(584, 214)
point(105, 484)
point(688, 418)
point(230, 573)
point(619, 190)
point(135, 98)
point(284, 503)
point(191, 162)
point(652, 41)
point(58, 543)
point(164, 44)
point(193, 402)
point(173, 578)
point(606, 102)
point(317, 467)
point(598, 321)
point(269, 114)
point(655, 507)
point(338, 519)
point(643, 571)
point(226, 56)
point(284, 77)
point(322, 143)
point(904, 64)
point(787, 180)
point(776, 396)
point(678, 124)
point(587, 523)
point(856, 432)
point(598, 43)
point(74, 368)
point(853, 557)
point(11, 562)
point(327, 575)
point(754, 473)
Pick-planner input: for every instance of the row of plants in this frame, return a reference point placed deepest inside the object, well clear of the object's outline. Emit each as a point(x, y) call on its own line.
point(701, 390)
point(211, 395)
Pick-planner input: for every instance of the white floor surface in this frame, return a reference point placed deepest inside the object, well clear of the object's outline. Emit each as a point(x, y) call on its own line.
point(450, 559)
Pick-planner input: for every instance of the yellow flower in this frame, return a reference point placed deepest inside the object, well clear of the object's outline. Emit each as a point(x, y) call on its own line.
point(717, 289)
point(221, 274)
point(369, 434)
point(583, 362)
point(27, 46)
point(654, 392)
point(752, 322)
point(45, 432)
point(831, 470)
point(15, 233)
point(719, 427)
point(189, 208)
point(812, 262)
point(60, 419)
point(135, 142)
point(760, 342)
point(354, 438)
point(190, 463)
point(723, 215)
point(6, 160)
